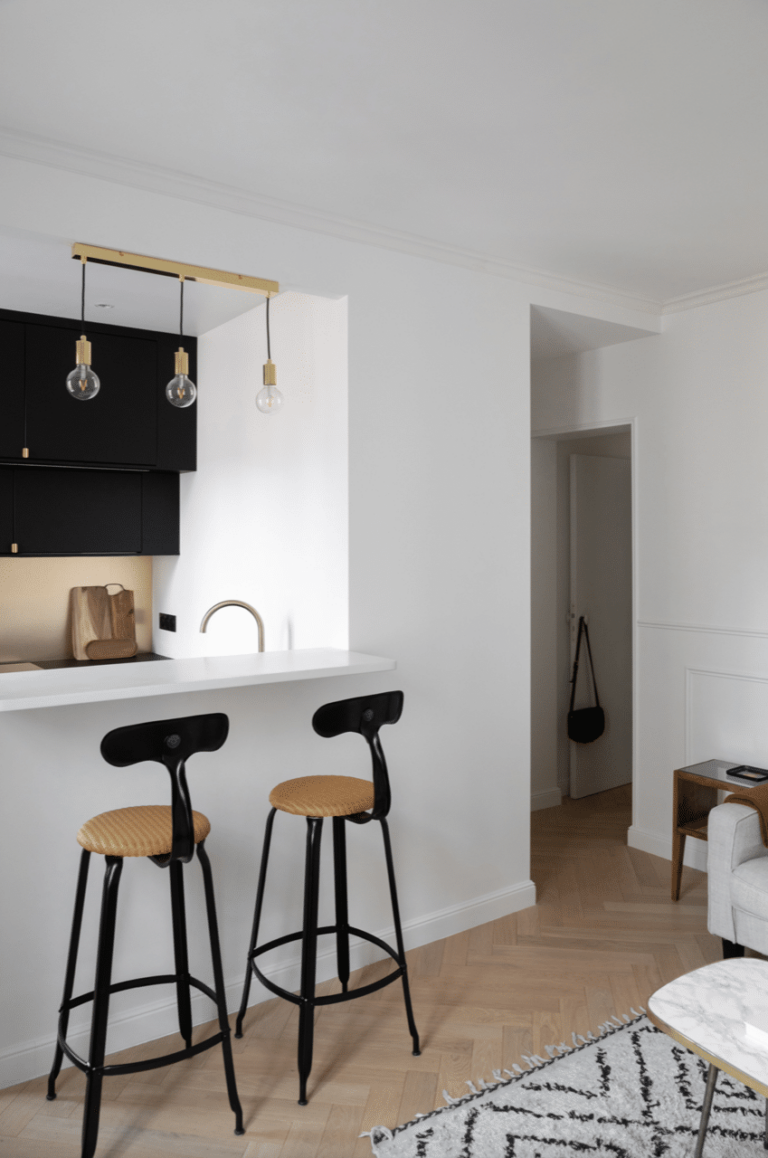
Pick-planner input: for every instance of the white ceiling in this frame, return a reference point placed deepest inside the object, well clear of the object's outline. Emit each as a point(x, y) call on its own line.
point(616, 142)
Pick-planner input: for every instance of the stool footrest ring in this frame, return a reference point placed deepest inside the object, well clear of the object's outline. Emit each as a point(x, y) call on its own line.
point(332, 998)
point(149, 1063)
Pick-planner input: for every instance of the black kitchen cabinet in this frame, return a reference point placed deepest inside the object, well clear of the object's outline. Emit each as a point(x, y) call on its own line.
point(6, 510)
point(12, 423)
point(55, 511)
point(118, 426)
point(160, 513)
point(128, 424)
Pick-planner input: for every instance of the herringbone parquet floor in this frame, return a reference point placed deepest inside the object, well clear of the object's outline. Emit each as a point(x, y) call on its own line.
point(602, 937)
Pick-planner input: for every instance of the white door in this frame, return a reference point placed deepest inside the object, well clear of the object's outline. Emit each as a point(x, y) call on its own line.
point(601, 591)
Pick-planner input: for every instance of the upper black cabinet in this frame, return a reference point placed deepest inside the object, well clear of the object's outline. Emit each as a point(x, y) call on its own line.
point(128, 424)
point(53, 511)
point(12, 424)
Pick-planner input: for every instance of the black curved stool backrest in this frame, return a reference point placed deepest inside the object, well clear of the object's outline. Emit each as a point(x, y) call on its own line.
point(316, 797)
point(366, 715)
point(171, 743)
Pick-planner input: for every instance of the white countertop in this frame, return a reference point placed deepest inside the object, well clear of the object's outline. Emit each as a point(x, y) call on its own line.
point(51, 689)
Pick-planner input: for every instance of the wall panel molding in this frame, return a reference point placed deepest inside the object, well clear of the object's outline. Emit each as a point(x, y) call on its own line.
point(737, 725)
point(702, 628)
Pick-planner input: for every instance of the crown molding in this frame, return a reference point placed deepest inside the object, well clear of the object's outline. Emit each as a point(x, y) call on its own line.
point(216, 195)
point(187, 187)
point(718, 293)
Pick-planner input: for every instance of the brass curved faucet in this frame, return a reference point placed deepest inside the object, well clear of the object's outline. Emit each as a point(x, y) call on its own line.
point(236, 603)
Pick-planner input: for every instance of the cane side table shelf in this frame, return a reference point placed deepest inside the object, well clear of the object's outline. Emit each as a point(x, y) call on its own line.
point(696, 794)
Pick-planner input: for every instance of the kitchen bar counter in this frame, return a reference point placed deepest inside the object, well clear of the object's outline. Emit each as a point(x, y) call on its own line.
point(121, 681)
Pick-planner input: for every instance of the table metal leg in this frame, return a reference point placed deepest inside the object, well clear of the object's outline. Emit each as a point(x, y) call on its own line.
point(707, 1106)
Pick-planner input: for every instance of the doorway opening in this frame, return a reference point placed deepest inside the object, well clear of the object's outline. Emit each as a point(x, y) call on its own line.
point(581, 555)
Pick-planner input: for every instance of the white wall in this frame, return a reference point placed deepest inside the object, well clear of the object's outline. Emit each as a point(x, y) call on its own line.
point(546, 790)
point(439, 510)
point(265, 518)
point(700, 408)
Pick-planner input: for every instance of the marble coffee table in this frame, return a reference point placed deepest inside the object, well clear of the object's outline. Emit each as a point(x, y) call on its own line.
point(708, 1011)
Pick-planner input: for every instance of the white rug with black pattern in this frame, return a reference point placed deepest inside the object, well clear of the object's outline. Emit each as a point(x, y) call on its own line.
point(631, 1093)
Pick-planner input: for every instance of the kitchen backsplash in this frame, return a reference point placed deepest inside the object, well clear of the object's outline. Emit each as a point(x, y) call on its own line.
point(34, 601)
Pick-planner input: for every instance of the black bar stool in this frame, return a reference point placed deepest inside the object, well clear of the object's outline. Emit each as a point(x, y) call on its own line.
point(168, 836)
point(345, 798)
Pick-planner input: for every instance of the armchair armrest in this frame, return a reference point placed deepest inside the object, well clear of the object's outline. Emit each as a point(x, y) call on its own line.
point(733, 837)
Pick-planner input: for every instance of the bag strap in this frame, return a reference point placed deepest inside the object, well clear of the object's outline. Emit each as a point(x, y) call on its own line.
point(576, 665)
point(582, 627)
point(591, 665)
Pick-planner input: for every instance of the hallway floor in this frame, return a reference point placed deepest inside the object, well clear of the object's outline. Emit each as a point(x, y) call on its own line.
point(603, 936)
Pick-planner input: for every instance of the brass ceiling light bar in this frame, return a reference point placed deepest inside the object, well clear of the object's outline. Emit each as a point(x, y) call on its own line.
point(181, 391)
point(179, 269)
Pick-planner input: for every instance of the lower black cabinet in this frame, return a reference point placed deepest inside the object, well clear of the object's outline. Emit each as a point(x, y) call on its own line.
point(56, 511)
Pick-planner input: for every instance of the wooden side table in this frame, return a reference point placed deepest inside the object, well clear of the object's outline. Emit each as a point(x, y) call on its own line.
point(696, 789)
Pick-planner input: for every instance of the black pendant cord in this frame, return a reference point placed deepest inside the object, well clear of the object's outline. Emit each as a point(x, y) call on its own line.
point(82, 298)
point(269, 350)
point(181, 308)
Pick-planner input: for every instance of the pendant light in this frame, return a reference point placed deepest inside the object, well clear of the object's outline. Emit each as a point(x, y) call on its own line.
point(82, 383)
point(181, 390)
point(269, 399)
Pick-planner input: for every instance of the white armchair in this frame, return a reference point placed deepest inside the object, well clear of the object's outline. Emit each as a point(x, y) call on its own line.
point(737, 863)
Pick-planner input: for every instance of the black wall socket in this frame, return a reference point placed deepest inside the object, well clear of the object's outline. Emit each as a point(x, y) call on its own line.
point(167, 622)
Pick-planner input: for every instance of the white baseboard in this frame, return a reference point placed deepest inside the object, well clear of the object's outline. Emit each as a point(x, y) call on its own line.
point(549, 799)
point(155, 1019)
point(695, 855)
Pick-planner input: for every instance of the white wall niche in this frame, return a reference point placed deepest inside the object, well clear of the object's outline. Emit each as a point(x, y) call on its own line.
point(264, 518)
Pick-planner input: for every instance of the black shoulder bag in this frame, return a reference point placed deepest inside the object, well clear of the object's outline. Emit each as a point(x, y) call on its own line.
point(584, 724)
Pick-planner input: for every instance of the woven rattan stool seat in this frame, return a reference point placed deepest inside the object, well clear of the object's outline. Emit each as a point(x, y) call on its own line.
point(142, 831)
point(323, 796)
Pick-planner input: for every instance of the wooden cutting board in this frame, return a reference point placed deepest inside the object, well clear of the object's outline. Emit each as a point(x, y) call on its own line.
point(103, 622)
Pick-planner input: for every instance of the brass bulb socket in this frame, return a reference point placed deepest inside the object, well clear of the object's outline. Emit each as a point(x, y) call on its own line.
point(270, 373)
point(181, 361)
point(83, 353)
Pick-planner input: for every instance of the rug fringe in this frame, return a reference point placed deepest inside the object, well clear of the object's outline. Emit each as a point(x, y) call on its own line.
point(533, 1061)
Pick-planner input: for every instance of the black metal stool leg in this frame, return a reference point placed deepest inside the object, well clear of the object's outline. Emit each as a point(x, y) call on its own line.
point(399, 936)
point(309, 953)
point(218, 985)
point(256, 921)
point(69, 980)
point(98, 1045)
point(340, 886)
point(178, 911)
